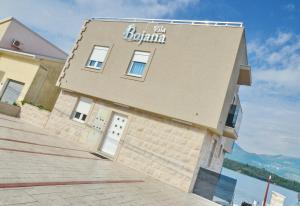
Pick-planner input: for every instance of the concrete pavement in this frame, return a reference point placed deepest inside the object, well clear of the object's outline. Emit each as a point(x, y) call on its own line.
point(38, 169)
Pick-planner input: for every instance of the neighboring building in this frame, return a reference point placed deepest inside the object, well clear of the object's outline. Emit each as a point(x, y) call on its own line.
point(29, 66)
point(158, 96)
point(277, 199)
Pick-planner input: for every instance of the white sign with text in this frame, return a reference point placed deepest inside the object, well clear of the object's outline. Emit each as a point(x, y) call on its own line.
point(158, 35)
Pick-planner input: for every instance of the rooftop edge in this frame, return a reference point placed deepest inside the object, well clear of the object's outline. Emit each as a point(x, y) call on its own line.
point(173, 21)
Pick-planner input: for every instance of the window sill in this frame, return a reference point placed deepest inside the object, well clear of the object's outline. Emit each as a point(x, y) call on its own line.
point(79, 121)
point(92, 69)
point(135, 78)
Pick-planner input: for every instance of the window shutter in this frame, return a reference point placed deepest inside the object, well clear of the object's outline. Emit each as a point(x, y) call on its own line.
point(84, 105)
point(141, 57)
point(99, 54)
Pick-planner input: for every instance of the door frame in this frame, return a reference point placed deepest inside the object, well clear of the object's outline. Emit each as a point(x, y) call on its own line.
point(121, 141)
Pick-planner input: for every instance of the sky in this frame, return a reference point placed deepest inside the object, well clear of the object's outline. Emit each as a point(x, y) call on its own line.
point(271, 118)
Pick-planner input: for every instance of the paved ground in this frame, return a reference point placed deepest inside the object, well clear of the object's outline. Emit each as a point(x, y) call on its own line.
point(38, 169)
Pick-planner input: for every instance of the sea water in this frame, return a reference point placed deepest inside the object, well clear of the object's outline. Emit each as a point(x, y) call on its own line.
point(250, 189)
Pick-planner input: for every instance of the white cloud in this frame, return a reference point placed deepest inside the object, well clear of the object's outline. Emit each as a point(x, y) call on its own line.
point(290, 7)
point(280, 39)
point(270, 125)
point(61, 20)
point(272, 104)
point(278, 64)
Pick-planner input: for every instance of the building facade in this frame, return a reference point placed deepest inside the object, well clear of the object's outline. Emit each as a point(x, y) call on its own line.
point(158, 96)
point(29, 66)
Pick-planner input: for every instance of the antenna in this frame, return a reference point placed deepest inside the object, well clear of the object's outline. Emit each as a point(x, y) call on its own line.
point(267, 190)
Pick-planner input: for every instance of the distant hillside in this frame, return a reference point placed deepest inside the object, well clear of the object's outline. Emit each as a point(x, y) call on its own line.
point(283, 166)
point(261, 174)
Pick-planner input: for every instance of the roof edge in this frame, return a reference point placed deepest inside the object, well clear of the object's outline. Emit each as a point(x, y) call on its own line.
point(6, 19)
point(33, 56)
point(174, 21)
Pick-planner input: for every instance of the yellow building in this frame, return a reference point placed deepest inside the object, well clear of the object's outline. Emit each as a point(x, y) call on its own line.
point(29, 66)
point(159, 96)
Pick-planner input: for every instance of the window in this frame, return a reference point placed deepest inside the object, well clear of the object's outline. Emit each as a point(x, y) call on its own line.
point(82, 109)
point(12, 92)
point(138, 64)
point(97, 57)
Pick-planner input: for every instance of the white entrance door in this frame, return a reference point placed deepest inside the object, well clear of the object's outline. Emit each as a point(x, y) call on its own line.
point(113, 134)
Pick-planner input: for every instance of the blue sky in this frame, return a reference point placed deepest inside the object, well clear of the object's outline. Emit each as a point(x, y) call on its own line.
point(271, 106)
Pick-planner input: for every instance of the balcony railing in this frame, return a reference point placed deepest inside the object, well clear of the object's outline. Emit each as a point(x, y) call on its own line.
point(215, 187)
point(234, 117)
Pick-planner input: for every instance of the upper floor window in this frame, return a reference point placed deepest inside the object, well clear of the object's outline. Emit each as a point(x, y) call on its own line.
point(82, 109)
point(97, 57)
point(138, 64)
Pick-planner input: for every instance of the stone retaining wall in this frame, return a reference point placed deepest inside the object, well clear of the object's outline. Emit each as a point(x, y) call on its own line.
point(10, 110)
point(34, 115)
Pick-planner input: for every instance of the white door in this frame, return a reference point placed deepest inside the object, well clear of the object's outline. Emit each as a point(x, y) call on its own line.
point(113, 134)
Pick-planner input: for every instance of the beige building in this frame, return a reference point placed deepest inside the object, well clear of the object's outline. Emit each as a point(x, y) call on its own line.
point(29, 66)
point(158, 96)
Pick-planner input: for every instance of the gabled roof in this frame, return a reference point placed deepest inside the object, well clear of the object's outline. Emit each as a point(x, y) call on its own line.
point(36, 38)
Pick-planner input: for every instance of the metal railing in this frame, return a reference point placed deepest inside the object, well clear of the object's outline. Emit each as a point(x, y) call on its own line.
point(173, 21)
